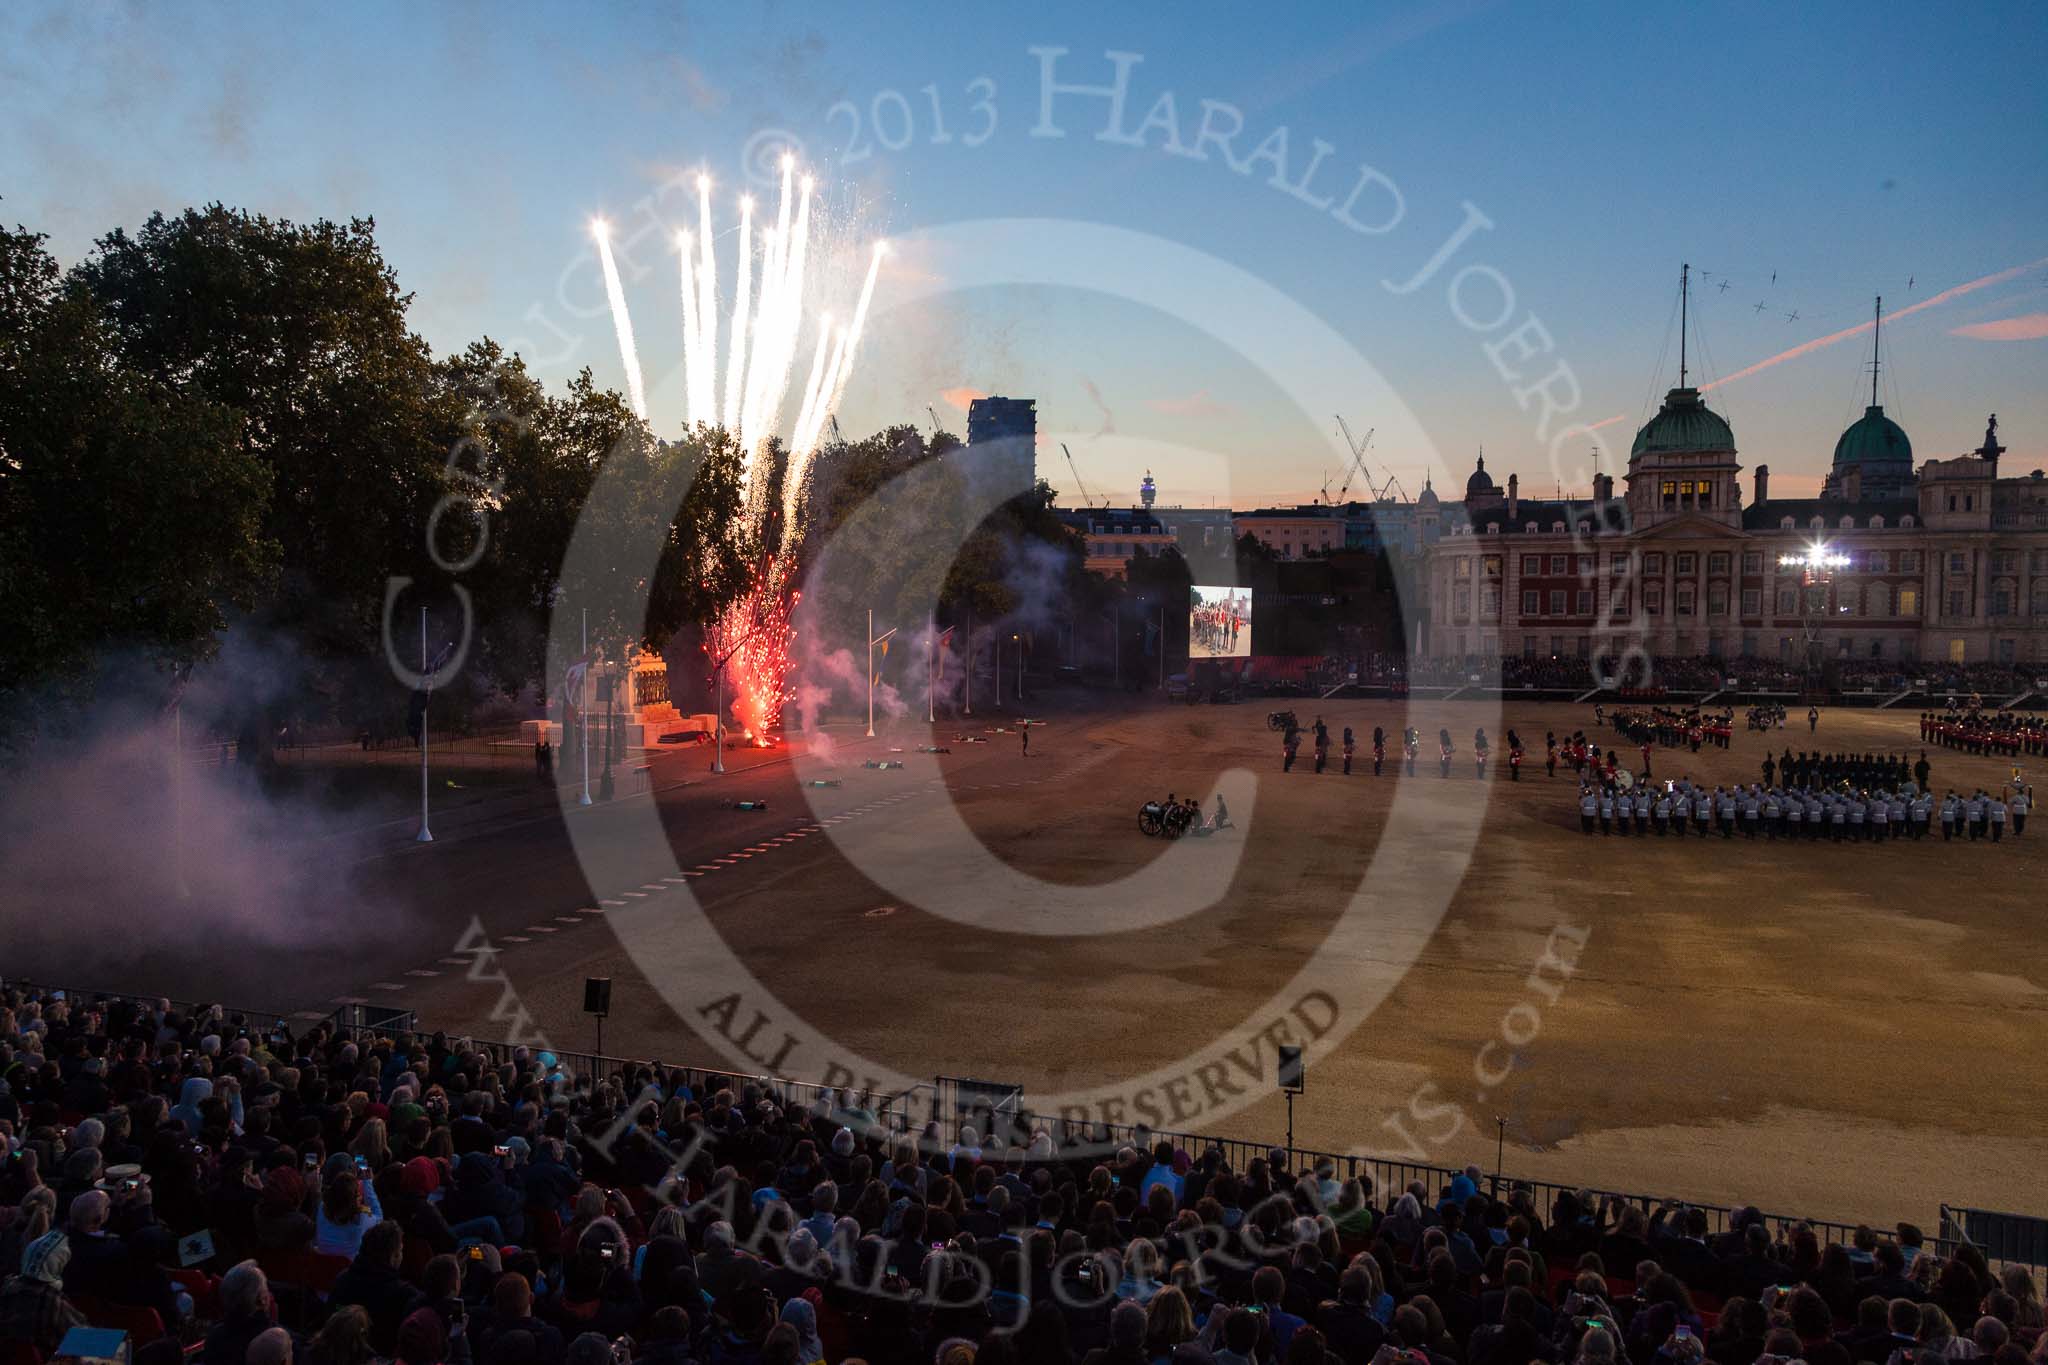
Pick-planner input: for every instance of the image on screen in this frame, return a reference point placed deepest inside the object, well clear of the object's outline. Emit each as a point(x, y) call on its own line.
point(1219, 623)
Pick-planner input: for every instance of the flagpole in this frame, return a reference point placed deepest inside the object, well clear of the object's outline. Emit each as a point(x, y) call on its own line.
point(967, 708)
point(426, 836)
point(871, 672)
point(583, 709)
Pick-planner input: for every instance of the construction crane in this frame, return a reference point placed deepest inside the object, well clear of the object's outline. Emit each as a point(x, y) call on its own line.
point(936, 428)
point(1357, 447)
point(1082, 488)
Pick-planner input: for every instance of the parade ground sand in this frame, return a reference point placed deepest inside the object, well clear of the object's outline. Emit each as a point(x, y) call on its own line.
point(1847, 1031)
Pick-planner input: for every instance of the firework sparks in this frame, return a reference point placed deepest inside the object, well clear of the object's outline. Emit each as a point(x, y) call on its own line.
point(747, 396)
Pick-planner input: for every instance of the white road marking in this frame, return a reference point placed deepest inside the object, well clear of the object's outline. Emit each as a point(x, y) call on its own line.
point(515, 938)
point(387, 985)
point(423, 972)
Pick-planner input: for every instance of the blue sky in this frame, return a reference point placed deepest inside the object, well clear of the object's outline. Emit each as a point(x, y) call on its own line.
point(1845, 149)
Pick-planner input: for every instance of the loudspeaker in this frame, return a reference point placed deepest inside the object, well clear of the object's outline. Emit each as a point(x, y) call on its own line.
point(1293, 1077)
point(597, 995)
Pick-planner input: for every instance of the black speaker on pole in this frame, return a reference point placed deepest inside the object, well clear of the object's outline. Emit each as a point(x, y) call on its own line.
point(597, 1000)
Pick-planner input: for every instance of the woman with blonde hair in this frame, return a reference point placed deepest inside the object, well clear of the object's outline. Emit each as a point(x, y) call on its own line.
point(1169, 1321)
point(373, 1144)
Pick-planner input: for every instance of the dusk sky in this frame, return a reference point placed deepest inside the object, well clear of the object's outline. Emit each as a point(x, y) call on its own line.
point(1806, 157)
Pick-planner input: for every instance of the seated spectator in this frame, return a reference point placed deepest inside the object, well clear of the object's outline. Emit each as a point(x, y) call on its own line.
point(373, 1282)
point(32, 1303)
point(348, 1209)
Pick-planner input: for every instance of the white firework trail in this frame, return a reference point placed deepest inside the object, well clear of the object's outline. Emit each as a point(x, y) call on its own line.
point(742, 380)
point(622, 323)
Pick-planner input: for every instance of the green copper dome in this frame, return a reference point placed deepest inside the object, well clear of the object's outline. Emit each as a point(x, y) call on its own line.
point(1684, 425)
point(1873, 438)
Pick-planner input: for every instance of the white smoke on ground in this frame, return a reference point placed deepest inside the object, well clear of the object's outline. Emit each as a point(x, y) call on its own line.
point(112, 862)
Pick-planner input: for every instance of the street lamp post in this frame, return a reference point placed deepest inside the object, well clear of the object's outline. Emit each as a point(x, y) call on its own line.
point(1020, 664)
point(873, 640)
point(583, 708)
point(967, 702)
point(426, 835)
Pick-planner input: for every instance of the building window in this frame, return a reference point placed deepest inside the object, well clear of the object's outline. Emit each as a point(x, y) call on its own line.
point(2040, 591)
point(1718, 562)
point(1706, 492)
point(1557, 564)
point(1557, 601)
point(1489, 600)
point(1556, 645)
point(1906, 523)
point(1877, 600)
point(1752, 561)
point(1532, 565)
point(2002, 597)
point(1685, 563)
point(1909, 601)
point(1957, 599)
point(1878, 561)
point(1653, 563)
point(1958, 563)
point(1586, 566)
point(1619, 562)
point(1909, 561)
point(1788, 599)
point(1752, 603)
point(1461, 567)
point(1585, 601)
point(1530, 602)
point(1653, 600)
point(1491, 566)
point(1528, 646)
point(1717, 599)
point(2005, 561)
point(1846, 598)
point(1877, 648)
point(1670, 492)
point(1461, 603)
point(1617, 602)
point(1683, 602)
point(1749, 644)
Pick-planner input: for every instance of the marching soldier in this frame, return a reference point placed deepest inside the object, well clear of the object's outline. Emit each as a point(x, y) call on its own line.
point(1624, 811)
point(1379, 749)
point(1997, 809)
point(1444, 751)
point(1322, 744)
point(1480, 752)
point(1291, 743)
point(1411, 745)
point(1348, 747)
point(1606, 808)
point(1589, 807)
point(2022, 798)
point(1550, 753)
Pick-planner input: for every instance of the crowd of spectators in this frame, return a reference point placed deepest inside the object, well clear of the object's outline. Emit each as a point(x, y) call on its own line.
point(239, 1194)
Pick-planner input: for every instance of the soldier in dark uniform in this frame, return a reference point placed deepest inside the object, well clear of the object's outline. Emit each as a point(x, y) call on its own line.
point(1379, 749)
point(1291, 743)
point(1322, 744)
point(1349, 747)
point(1550, 753)
point(1769, 769)
point(1411, 745)
point(1444, 751)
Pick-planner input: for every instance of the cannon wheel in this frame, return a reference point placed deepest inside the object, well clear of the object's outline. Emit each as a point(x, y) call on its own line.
point(1148, 822)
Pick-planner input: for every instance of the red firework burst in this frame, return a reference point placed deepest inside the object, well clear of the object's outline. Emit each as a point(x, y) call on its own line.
point(754, 636)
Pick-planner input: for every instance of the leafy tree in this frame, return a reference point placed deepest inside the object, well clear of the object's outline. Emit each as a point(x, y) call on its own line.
point(131, 512)
point(301, 330)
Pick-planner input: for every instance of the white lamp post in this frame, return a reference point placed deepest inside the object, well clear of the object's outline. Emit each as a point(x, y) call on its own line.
point(873, 640)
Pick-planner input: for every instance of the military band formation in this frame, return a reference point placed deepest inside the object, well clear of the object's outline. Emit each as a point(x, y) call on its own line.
point(1832, 797)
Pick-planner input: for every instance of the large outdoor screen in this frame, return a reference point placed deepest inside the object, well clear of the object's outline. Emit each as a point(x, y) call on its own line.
point(1219, 622)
